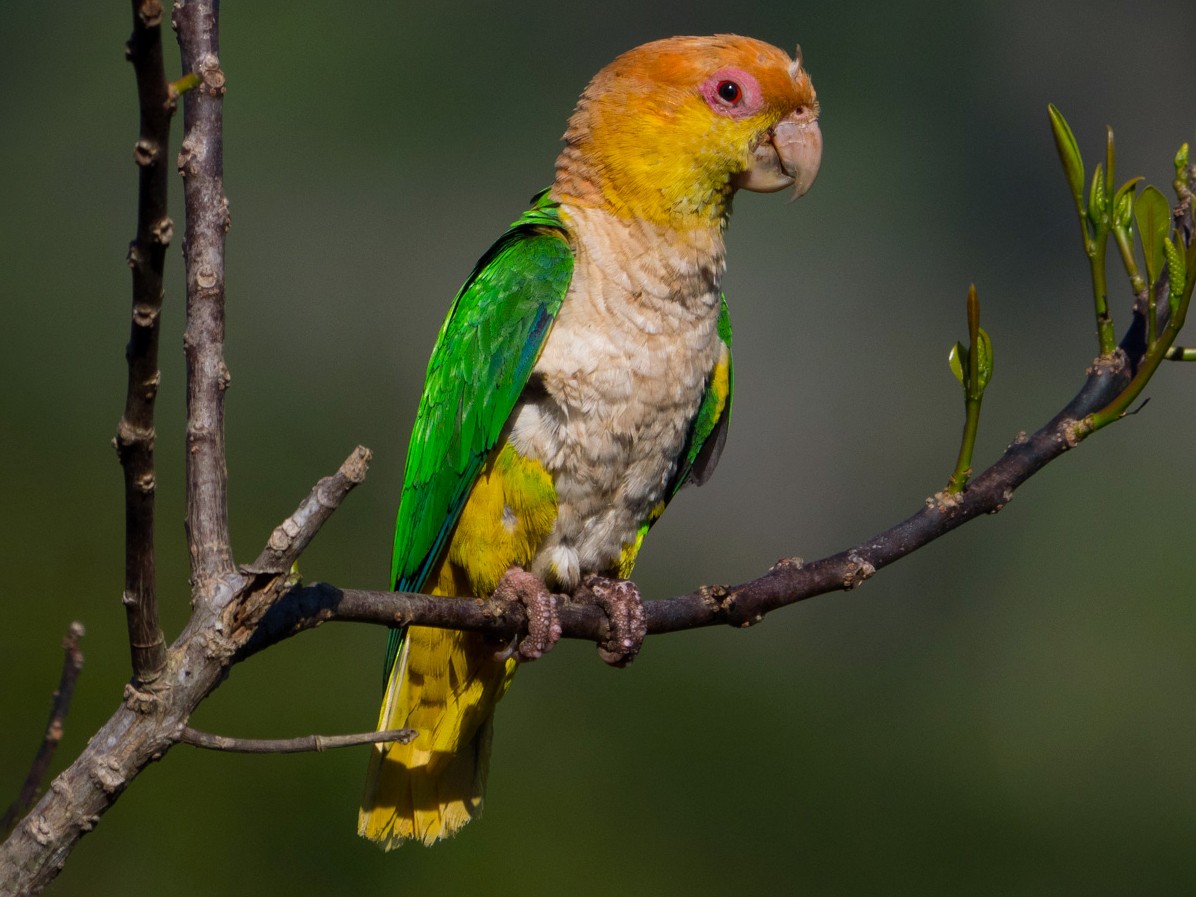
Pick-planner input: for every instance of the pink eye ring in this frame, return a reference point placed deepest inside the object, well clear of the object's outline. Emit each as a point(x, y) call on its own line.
point(732, 92)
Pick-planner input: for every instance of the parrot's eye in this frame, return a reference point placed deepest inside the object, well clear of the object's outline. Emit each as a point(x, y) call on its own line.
point(729, 92)
point(732, 92)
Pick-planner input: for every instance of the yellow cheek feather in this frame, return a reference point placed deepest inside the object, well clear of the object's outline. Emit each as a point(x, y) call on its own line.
point(675, 168)
point(509, 514)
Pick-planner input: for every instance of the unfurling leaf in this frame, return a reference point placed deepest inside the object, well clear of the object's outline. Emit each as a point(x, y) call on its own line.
point(1096, 196)
point(958, 359)
point(1069, 152)
point(1123, 205)
point(984, 361)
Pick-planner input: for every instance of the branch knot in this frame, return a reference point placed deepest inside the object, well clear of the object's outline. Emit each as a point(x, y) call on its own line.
point(859, 571)
point(146, 152)
point(142, 701)
point(209, 69)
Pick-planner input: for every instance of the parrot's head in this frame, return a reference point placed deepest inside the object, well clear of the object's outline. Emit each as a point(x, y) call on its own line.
point(668, 131)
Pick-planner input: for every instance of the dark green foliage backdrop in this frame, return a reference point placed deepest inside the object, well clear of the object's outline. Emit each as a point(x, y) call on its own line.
point(1010, 711)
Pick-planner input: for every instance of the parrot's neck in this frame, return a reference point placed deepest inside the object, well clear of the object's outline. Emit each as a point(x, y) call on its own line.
point(636, 179)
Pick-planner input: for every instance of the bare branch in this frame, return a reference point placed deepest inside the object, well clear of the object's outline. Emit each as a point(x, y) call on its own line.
point(201, 162)
point(72, 664)
point(147, 253)
point(304, 744)
point(291, 537)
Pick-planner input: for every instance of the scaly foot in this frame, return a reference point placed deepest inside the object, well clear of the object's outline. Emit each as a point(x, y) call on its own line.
point(620, 600)
point(543, 620)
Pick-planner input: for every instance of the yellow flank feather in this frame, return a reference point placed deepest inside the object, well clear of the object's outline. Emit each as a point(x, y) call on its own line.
point(720, 383)
point(445, 684)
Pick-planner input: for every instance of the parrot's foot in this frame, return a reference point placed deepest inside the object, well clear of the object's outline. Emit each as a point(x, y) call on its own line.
point(543, 618)
point(620, 600)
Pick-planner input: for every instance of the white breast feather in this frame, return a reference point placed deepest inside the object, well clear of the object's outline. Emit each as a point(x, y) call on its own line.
point(624, 369)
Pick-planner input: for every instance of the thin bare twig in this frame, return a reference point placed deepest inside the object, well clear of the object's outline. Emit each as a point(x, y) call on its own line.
point(291, 537)
point(201, 162)
point(147, 254)
point(304, 744)
point(72, 663)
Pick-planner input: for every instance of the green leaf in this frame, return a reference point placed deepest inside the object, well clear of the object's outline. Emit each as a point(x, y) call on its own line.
point(958, 360)
point(1069, 152)
point(984, 361)
point(1154, 222)
point(1181, 163)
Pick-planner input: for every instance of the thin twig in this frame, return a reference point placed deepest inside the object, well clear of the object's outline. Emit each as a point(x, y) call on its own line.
point(304, 744)
point(147, 254)
point(201, 162)
point(72, 663)
point(291, 537)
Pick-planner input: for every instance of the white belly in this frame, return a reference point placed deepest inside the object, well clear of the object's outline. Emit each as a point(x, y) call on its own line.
point(622, 373)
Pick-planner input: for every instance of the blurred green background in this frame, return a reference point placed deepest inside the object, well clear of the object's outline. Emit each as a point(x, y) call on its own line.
point(1010, 711)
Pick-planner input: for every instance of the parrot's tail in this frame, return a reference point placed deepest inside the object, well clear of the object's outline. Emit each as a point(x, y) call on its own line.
point(444, 685)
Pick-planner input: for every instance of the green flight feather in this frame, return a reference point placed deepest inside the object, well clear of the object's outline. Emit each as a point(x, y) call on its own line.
point(483, 357)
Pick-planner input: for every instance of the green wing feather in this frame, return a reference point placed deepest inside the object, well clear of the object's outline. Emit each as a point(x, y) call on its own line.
point(708, 432)
point(483, 357)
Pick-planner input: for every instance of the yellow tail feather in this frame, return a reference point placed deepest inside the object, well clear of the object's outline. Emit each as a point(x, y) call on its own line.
point(445, 685)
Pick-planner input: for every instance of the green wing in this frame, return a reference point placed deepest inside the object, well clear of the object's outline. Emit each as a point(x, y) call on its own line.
point(483, 357)
point(482, 360)
point(708, 432)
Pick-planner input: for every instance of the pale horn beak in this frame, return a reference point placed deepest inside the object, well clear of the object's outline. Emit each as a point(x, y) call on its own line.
point(787, 156)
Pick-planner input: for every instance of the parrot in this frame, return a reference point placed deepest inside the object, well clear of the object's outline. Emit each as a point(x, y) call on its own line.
point(582, 377)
